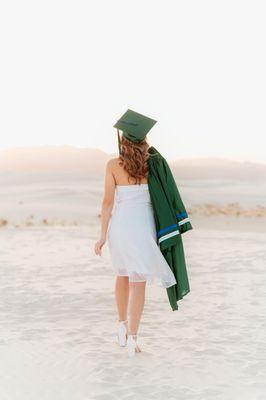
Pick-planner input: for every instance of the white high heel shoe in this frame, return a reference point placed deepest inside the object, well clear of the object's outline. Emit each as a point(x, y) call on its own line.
point(132, 346)
point(122, 333)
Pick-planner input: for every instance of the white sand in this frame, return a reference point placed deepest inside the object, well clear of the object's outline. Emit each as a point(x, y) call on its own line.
point(58, 313)
point(58, 320)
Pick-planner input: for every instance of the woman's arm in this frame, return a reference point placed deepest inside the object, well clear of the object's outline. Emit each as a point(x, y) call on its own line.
point(107, 205)
point(108, 199)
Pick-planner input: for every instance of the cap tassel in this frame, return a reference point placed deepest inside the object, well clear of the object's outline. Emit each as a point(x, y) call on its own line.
point(119, 141)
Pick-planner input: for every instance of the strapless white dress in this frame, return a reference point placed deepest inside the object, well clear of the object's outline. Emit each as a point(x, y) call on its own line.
point(131, 237)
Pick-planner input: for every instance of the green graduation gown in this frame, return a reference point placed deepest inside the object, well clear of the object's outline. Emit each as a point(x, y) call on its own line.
point(171, 220)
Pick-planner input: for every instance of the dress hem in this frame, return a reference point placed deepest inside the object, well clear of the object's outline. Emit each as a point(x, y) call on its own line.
point(149, 281)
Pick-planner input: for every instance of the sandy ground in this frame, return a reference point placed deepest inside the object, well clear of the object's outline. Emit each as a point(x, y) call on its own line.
point(58, 320)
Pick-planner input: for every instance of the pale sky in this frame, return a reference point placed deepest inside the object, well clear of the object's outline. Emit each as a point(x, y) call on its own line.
point(70, 69)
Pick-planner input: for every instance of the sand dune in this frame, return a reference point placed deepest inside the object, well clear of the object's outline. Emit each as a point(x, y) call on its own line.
point(58, 321)
point(233, 211)
point(54, 159)
point(218, 168)
point(42, 199)
point(57, 305)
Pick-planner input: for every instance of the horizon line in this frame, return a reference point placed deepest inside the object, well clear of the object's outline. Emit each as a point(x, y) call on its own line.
point(225, 158)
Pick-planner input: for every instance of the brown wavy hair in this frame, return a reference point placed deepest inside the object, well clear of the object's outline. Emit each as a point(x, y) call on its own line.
point(134, 158)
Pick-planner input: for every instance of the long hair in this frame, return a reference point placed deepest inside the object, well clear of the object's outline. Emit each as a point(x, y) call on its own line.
point(134, 158)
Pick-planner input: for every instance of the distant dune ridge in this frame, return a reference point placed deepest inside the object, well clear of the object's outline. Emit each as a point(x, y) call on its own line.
point(53, 159)
point(69, 159)
point(218, 168)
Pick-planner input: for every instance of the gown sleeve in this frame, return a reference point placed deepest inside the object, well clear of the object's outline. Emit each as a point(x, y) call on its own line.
point(182, 216)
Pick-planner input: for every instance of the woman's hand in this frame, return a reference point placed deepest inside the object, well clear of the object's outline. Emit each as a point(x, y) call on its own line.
point(99, 245)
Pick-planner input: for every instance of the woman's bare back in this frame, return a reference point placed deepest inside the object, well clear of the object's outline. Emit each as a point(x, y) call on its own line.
point(121, 177)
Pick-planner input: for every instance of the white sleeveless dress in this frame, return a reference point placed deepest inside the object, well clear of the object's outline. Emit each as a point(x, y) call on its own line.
point(131, 237)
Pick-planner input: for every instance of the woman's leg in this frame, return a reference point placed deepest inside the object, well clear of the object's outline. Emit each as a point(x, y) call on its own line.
point(136, 305)
point(121, 296)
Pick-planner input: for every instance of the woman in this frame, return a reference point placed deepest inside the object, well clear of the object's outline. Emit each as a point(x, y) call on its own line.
point(131, 234)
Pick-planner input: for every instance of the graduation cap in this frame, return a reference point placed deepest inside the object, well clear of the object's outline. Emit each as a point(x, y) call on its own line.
point(135, 126)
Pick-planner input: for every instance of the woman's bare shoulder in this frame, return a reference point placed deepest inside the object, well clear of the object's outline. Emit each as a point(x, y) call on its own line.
point(113, 163)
